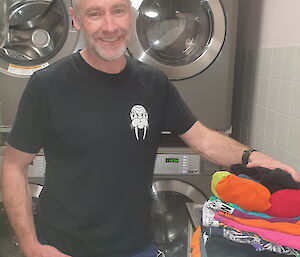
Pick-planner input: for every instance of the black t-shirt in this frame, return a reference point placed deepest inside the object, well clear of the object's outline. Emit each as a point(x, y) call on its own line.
point(100, 134)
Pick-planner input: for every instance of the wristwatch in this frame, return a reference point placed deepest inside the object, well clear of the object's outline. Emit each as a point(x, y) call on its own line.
point(246, 155)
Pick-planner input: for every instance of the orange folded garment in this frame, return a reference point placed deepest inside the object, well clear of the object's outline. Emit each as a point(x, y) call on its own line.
point(246, 193)
point(195, 244)
point(289, 228)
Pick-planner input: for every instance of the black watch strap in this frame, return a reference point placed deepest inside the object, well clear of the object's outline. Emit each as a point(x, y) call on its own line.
point(246, 155)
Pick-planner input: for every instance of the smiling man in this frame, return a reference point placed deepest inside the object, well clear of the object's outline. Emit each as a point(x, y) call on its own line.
point(98, 115)
point(106, 27)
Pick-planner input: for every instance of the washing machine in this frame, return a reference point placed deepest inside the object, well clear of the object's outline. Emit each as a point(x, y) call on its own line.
point(193, 42)
point(34, 34)
point(181, 177)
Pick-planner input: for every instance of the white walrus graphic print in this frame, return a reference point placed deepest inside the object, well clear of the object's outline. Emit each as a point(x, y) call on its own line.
point(139, 120)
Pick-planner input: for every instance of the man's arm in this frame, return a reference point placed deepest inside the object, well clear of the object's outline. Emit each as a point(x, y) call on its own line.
point(18, 203)
point(226, 151)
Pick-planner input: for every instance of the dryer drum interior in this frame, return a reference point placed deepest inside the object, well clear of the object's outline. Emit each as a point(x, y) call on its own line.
point(37, 29)
point(170, 221)
point(8, 241)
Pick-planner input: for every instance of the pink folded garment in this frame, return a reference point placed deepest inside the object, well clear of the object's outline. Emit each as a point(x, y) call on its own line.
point(285, 227)
point(285, 203)
point(273, 236)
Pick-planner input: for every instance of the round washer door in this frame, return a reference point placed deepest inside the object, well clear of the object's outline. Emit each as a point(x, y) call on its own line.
point(170, 220)
point(182, 38)
point(38, 33)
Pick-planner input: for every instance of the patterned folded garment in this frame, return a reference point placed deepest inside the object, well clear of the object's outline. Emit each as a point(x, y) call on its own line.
point(273, 236)
point(211, 209)
point(253, 239)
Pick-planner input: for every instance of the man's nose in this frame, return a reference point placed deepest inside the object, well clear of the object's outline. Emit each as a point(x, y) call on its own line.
point(109, 23)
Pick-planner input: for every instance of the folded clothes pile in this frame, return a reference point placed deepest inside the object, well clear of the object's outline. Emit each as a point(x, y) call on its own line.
point(257, 209)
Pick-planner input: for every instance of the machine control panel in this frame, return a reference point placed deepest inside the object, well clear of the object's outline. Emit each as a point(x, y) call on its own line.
point(177, 164)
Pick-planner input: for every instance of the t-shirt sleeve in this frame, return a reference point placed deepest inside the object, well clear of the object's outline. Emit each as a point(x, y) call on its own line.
point(177, 117)
point(28, 131)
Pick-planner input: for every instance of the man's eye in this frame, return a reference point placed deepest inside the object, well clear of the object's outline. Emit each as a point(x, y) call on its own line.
point(95, 14)
point(119, 11)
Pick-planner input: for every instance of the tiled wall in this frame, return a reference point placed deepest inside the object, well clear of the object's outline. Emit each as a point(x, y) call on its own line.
point(266, 108)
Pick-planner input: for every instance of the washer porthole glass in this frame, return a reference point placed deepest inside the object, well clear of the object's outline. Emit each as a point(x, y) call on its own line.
point(174, 32)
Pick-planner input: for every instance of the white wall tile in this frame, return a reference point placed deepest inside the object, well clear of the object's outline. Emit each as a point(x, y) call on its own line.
point(266, 62)
point(250, 61)
point(258, 62)
point(255, 88)
point(280, 153)
point(251, 88)
point(273, 95)
point(296, 70)
point(285, 95)
point(237, 61)
point(276, 63)
point(252, 116)
point(261, 120)
point(263, 92)
point(269, 148)
point(245, 113)
point(267, 112)
point(244, 135)
point(247, 87)
point(270, 125)
point(288, 63)
point(238, 86)
point(295, 102)
point(282, 129)
point(294, 136)
point(293, 160)
point(251, 138)
point(258, 142)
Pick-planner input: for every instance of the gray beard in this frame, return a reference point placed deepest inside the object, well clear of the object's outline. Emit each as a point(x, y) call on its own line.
point(100, 54)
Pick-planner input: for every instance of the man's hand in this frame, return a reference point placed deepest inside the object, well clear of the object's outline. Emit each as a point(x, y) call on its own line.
point(39, 250)
point(259, 159)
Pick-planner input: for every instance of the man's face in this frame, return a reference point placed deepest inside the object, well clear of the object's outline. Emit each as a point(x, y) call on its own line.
point(106, 26)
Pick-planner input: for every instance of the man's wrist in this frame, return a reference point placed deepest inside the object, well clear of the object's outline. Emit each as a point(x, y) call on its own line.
point(246, 155)
point(30, 247)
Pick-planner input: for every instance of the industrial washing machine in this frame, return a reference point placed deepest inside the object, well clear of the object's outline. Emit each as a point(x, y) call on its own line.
point(36, 33)
point(193, 42)
point(180, 177)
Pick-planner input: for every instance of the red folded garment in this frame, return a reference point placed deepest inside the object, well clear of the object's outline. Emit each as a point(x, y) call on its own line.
point(285, 203)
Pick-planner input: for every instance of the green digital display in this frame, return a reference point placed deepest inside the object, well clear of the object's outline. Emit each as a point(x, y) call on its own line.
point(172, 160)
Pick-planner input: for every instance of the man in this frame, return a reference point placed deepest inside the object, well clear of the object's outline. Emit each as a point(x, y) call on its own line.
point(98, 116)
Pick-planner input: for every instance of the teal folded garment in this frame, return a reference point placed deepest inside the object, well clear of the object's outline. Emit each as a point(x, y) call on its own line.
point(252, 213)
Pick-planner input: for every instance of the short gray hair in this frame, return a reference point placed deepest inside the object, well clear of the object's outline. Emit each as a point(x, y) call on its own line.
point(75, 4)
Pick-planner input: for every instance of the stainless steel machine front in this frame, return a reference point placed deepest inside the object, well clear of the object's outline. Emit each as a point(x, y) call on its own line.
point(179, 178)
point(36, 34)
point(193, 42)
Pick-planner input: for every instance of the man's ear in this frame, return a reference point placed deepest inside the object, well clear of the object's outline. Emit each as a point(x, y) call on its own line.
point(75, 18)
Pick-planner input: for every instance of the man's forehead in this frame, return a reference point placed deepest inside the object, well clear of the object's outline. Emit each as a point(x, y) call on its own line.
point(99, 2)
